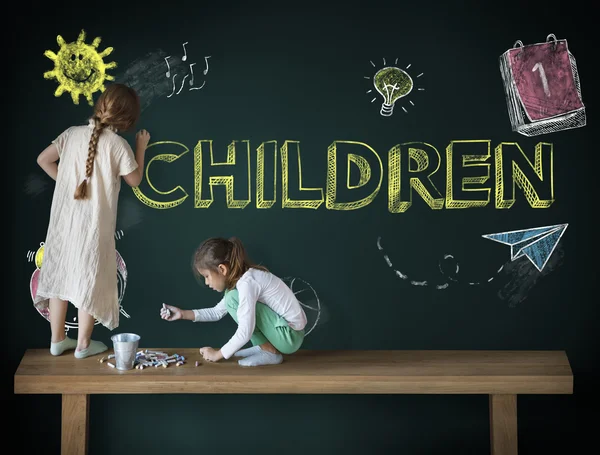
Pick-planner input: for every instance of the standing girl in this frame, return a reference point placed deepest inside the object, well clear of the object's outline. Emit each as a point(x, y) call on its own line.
point(79, 253)
point(266, 310)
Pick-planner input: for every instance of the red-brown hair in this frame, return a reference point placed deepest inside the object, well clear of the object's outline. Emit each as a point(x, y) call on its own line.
point(118, 107)
point(230, 252)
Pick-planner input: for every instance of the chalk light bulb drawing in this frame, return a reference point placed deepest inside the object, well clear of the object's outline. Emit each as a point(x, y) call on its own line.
point(38, 258)
point(392, 83)
point(79, 68)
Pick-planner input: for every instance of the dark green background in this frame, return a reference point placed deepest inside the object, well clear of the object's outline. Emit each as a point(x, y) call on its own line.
point(281, 72)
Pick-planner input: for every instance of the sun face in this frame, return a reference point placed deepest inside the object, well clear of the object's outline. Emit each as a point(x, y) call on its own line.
point(79, 68)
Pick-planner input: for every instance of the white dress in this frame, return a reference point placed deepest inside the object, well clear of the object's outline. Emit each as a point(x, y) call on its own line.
point(79, 263)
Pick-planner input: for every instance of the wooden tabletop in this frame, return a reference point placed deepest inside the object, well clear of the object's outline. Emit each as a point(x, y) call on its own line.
point(313, 372)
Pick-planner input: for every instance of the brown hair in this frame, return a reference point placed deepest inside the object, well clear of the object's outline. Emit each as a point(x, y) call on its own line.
point(119, 108)
point(230, 252)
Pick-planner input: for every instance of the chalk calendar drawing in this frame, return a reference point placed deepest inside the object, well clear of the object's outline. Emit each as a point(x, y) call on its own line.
point(71, 321)
point(536, 244)
point(79, 68)
point(542, 87)
point(392, 83)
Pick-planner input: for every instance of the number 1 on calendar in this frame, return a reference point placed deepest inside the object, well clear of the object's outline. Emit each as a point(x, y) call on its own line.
point(540, 68)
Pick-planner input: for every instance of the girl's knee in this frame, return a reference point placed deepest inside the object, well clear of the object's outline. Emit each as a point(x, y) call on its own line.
point(287, 350)
point(290, 346)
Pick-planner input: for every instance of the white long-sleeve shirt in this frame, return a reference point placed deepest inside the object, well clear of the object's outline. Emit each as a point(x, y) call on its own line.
point(255, 286)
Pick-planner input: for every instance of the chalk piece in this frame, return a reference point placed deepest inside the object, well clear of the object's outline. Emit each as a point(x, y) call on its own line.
point(110, 364)
point(197, 363)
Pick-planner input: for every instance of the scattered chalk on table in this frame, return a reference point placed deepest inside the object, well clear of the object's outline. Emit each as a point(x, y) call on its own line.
point(147, 358)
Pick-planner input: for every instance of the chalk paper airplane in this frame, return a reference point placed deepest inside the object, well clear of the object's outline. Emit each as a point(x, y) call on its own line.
point(535, 243)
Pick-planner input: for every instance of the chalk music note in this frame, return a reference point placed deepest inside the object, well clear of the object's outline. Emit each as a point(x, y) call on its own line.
point(182, 83)
point(192, 71)
point(206, 61)
point(184, 58)
point(198, 88)
point(168, 73)
point(192, 79)
point(169, 96)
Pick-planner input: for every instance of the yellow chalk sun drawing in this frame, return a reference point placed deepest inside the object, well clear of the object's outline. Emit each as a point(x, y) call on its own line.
point(79, 68)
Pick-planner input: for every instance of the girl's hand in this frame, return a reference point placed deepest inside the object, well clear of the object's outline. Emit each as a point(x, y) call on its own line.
point(171, 313)
point(141, 139)
point(210, 354)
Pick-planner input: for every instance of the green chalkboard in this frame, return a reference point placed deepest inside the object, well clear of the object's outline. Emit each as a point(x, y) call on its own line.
point(374, 210)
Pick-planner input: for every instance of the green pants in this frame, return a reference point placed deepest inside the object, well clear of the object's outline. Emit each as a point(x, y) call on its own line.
point(269, 326)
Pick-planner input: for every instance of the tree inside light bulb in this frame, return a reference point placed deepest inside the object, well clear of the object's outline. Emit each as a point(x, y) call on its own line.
point(392, 83)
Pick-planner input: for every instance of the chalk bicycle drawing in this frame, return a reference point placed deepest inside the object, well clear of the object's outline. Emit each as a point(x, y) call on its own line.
point(305, 294)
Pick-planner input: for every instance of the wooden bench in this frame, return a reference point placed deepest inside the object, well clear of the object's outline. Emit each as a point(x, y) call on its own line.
point(500, 374)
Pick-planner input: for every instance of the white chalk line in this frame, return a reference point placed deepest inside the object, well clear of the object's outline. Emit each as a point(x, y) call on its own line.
point(422, 283)
point(318, 307)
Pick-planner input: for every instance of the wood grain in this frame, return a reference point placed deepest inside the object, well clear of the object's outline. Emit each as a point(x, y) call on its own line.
point(503, 424)
point(75, 424)
point(315, 372)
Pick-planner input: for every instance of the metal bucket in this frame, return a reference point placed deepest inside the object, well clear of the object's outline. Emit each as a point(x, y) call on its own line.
point(125, 346)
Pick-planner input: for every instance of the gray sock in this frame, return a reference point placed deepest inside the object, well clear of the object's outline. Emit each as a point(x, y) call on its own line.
point(247, 352)
point(261, 358)
point(62, 346)
point(95, 347)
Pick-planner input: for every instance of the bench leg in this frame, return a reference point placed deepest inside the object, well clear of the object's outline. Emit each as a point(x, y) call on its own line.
point(503, 424)
point(75, 419)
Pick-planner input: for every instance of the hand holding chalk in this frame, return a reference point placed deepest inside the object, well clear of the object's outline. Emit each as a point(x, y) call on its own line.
point(142, 138)
point(170, 313)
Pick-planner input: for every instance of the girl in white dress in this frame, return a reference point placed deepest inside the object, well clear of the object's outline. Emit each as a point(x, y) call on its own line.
point(79, 266)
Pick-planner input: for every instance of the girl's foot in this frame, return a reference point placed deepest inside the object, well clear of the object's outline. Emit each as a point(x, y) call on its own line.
point(247, 352)
point(95, 347)
point(62, 346)
point(261, 358)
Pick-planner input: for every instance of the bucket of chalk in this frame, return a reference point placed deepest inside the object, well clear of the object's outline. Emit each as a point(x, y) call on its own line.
point(125, 346)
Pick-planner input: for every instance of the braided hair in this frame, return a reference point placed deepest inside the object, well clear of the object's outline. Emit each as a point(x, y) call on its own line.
point(118, 108)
